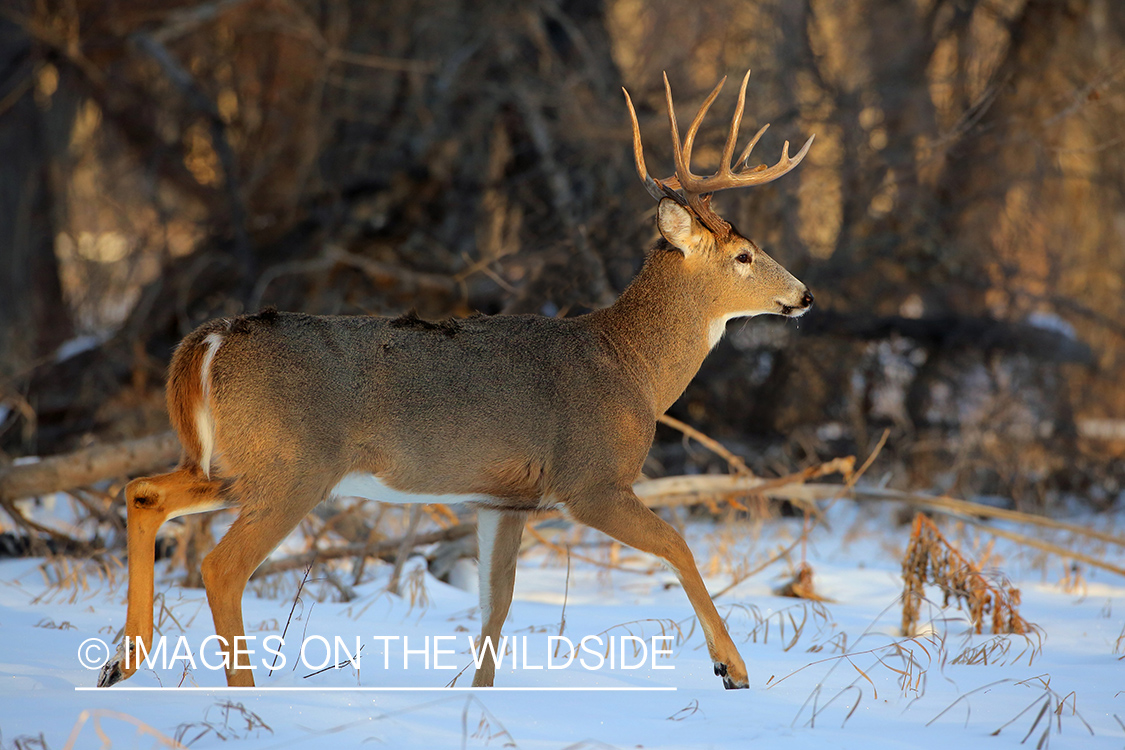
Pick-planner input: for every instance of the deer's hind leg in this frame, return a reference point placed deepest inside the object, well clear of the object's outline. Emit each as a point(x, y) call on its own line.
point(268, 513)
point(149, 502)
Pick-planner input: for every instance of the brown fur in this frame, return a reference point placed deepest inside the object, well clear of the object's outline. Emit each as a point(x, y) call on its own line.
point(184, 392)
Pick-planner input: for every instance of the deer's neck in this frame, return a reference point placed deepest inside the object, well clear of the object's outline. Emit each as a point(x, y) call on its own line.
point(660, 327)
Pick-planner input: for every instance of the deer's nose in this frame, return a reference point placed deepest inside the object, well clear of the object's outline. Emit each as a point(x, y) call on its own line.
point(807, 300)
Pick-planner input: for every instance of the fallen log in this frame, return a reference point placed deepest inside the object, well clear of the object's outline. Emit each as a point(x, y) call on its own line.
point(689, 490)
point(88, 465)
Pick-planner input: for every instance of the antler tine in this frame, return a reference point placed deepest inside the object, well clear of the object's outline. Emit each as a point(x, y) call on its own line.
point(749, 177)
point(676, 153)
point(638, 153)
point(750, 146)
point(689, 139)
point(735, 124)
point(760, 175)
point(700, 204)
point(804, 150)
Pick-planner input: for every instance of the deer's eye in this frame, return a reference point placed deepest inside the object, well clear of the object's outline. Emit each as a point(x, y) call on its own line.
point(745, 258)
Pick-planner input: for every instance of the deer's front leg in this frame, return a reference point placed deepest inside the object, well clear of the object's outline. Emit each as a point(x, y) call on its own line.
point(498, 542)
point(622, 515)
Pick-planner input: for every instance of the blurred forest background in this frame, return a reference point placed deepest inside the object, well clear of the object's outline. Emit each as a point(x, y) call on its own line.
point(960, 218)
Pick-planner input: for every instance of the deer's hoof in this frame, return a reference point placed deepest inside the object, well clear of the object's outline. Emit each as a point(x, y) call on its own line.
point(111, 672)
point(731, 681)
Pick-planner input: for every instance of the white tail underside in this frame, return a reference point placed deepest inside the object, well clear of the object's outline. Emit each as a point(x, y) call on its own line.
point(204, 423)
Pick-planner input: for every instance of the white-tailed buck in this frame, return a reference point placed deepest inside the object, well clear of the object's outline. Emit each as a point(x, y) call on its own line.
point(276, 411)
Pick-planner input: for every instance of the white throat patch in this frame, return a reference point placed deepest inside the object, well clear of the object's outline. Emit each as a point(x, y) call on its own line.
point(719, 326)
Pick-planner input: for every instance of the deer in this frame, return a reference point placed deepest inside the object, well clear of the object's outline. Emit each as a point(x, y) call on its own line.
point(513, 414)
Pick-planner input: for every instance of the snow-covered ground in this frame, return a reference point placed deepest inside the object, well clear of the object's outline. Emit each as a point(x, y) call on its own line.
point(831, 675)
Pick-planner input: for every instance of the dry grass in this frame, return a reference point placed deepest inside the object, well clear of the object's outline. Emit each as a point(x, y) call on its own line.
point(1046, 710)
point(790, 624)
point(29, 742)
point(997, 651)
point(931, 560)
point(233, 722)
point(70, 580)
point(689, 710)
point(95, 717)
point(416, 595)
point(292, 609)
point(901, 658)
point(906, 661)
point(488, 727)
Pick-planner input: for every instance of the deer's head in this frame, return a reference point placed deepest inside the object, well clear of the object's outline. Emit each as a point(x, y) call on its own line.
point(742, 278)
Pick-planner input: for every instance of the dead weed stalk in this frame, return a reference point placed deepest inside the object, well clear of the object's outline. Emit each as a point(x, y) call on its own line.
point(931, 559)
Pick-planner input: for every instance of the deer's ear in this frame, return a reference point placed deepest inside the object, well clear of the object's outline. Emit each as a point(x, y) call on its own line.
point(678, 226)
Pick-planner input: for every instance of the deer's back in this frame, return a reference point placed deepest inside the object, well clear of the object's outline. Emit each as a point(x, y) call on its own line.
point(486, 405)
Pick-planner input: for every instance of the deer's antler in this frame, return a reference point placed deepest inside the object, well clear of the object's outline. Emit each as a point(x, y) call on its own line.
point(693, 190)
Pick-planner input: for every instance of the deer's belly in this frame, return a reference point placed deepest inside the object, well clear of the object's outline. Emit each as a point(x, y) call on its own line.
point(371, 487)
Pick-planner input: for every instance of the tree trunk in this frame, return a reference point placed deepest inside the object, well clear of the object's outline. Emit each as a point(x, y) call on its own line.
point(33, 316)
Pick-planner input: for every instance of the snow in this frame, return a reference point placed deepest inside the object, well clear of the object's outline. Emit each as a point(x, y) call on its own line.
point(79, 344)
point(827, 675)
point(1049, 321)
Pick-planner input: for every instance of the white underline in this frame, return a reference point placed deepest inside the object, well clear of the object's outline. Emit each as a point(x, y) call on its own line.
point(377, 689)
